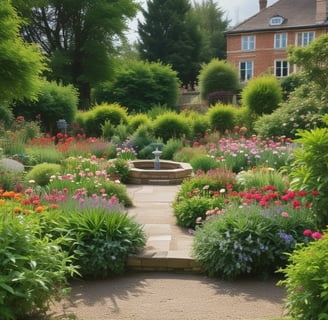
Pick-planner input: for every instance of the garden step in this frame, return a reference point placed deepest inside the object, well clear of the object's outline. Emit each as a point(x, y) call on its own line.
point(171, 261)
point(168, 246)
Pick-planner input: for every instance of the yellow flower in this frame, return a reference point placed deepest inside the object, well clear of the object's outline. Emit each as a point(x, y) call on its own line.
point(2, 202)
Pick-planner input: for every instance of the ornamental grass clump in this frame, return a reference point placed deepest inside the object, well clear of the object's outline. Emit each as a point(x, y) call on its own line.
point(252, 233)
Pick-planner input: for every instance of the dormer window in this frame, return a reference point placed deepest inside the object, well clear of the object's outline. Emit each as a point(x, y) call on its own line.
point(276, 21)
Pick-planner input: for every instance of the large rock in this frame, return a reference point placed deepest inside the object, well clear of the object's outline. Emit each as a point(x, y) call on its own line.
point(11, 165)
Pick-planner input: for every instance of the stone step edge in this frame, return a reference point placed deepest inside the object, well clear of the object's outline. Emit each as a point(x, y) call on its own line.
point(148, 263)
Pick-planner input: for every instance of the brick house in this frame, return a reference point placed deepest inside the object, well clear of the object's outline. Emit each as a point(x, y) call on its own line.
point(259, 44)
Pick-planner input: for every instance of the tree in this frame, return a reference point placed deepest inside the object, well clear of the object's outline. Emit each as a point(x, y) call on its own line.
point(20, 64)
point(212, 26)
point(78, 36)
point(313, 59)
point(170, 35)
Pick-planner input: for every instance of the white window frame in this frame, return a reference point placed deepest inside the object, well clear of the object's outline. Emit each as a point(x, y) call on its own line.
point(276, 21)
point(304, 38)
point(248, 70)
point(284, 65)
point(280, 40)
point(248, 43)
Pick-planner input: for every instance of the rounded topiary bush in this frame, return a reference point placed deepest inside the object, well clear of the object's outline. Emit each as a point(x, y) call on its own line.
point(171, 125)
point(41, 173)
point(204, 163)
point(171, 147)
point(262, 95)
point(217, 76)
point(135, 121)
point(221, 117)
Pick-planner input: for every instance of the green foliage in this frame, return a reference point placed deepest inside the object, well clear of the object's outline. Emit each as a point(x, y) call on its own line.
point(217, 76)
point(306, 281)
point(21, 63)
point(307, 172)
point(200, 125)
point(303, 110)
point(204, 163)
point(187, 211)
point(313, 59)
point(102, 240)
point(93, 119)
point(134, 121)
point(41, 173)
point(171, 147)
point(212, 24)
point(221, 117)
point(291, 83)
point(120, 169)
point(157, 110)
point(248, 241)
point(38, 155)
point(139, 85)
point(7, 115)
point(143, 136)
point(171, 125)
point(33, 269)
point(171, 35)
point(90, 33)
point(188, 153)
point(54, 102)
point(262, 95)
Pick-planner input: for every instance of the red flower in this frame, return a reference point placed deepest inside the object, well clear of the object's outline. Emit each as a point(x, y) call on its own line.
point(315, 193)
point(307, 232)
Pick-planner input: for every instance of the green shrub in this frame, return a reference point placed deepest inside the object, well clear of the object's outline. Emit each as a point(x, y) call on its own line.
point(102, 240)
point(41, 173)
point(262, 95)
point(248, 240)
point(142, 137)
point(119, 169)
point(54, 102)
point(303, 110)
point(188, 153)
point(204, 164)
point(171, 147)
point(117, 190)
point(157, 110)
point(107, 130)
point(140, 85)
point(291, 83)
point(200, 125)
point(221, 117)
point(306, 281)
point(217, 76)
point(171, 125)
point(307, 171)
point(7, 115)
point(33, 269)
point(186, 211)
point(136, 120)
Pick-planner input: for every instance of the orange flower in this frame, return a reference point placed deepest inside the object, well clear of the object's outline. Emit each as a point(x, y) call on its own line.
point(39, 209)
point(8, 194)
point(17, 196)
point(17, 209)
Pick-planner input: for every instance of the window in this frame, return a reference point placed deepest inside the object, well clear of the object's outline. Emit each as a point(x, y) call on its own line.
point(246, 70)
point(280, 40)
point(281, 68)
point(248, 43)
point(276, 21)
point(304, 38)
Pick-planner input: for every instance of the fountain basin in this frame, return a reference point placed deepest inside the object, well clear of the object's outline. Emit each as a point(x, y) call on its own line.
point(170, 172)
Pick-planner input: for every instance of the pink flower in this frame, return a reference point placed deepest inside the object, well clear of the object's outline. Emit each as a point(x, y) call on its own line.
point(284, 214)
point(307, 232)
point(299, 288)
point(199, 219)
point(316, 235)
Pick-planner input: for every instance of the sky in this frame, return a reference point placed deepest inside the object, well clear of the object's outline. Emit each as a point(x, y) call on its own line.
point(235, 10)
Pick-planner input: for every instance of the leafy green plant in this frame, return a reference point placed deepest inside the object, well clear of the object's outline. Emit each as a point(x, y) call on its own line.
point(248, 240)
point(217, 76)
point(204, 163)
point(311, 161)
point(187, 153)
point(306, 281)
point(171, 125)
point(119, 169)
point(41, 173)
point(33, 269)
point(102, 240)
point(221, 117)
point(262, 95)
point(40, 154)
point(171, 147)
point(134, 121)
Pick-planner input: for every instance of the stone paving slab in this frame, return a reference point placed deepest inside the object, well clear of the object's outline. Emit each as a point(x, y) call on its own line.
point(168, 245)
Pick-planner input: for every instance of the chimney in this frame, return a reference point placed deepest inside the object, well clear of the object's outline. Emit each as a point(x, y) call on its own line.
point(263, 4)
point(321, 11)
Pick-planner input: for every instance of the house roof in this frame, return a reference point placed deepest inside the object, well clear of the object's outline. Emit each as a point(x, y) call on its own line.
point(296, 14)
